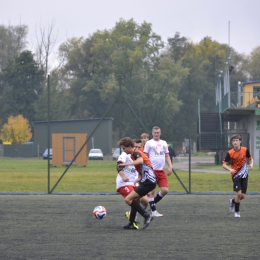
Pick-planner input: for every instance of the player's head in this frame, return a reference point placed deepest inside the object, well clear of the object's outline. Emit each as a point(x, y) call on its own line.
point(127, 145)
point(156, 132)
point(236, 140)
point(138, 144)
point(236, 136)
point(144, 138)
point(126, 141)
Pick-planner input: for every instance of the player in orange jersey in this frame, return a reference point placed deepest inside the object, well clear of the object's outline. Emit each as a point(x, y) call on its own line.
point(146, 179)
point(238, 156)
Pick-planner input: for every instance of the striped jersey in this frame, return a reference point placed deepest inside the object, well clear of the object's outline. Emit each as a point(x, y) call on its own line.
point(145, 169)
point(238, 160)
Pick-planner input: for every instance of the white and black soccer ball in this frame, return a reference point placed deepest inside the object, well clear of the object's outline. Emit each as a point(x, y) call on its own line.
point(99, 212)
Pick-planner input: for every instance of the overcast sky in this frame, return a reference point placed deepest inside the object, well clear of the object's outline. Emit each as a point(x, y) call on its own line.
point(194, 19)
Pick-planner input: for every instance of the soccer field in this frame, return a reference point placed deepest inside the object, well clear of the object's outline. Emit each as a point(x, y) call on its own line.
point(63, 227)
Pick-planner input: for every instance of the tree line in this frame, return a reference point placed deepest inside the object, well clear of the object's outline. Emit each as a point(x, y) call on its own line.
point(126, 71)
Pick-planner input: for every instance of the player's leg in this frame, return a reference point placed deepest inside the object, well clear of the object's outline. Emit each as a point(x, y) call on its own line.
point(125, 191)
point(241, 183)
point(238, 190)
point(151, 195)
point(130, 199)
point(144, 202)
point(244, 182)
point(161, 194)
point(139, 192)
point(162, 182)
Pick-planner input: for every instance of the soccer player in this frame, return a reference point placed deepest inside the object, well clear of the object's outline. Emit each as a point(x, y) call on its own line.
point(125, 182)
point(146, 179)
point(144, 139)
point(238, 156)
point(158, 153)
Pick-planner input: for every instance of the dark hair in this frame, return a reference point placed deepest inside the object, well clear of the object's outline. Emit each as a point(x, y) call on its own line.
point(138, 141)
point(236, 136)
point(126, 141)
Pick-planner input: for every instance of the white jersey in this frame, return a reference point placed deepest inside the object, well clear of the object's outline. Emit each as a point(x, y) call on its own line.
point(156, 151)
point(129, 171)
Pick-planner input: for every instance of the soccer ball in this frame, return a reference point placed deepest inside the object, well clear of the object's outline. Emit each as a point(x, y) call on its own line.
point(99, 212)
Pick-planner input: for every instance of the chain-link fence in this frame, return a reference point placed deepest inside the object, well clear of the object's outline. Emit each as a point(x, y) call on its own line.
point(194, 172)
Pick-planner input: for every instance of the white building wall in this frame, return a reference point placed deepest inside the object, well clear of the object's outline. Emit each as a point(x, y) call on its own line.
point(254, 131)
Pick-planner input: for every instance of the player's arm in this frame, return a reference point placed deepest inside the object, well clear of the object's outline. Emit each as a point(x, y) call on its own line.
point(248, 155)
point(121, 172)
point(225, 165)
point(251, 163)
point(146, 149)
point(138, 179)
point(138, 161)
point(168, 160)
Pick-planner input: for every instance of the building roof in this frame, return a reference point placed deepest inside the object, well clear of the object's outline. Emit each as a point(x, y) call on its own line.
point(75, 120)
point(250, 82)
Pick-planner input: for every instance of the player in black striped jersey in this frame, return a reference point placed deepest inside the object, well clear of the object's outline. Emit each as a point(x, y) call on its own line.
point(146, 179)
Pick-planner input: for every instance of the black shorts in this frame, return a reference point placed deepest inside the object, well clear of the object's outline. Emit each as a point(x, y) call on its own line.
point(145, 187)
point(240, 184)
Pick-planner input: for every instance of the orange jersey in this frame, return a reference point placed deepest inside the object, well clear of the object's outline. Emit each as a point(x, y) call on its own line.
point(136, 155)
point(237, 158)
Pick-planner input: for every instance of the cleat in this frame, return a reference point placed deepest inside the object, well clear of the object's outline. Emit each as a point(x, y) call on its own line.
point(237, 214)
point(130, 226)
point(135, 225)
point(156, 214)
point(231, 206)
point(147, 219)
point(127, 215)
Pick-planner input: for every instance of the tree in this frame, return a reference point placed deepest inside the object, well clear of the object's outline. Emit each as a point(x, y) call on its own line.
point(203, 60)
point(45, 44)
point(16, 131)
point(127, 57)
point(23, 84)
point(12, 42)
point(60, 100)
point(253, 64)
point(177, 46)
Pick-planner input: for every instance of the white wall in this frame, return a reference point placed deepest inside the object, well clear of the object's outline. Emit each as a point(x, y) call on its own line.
point(254, 131)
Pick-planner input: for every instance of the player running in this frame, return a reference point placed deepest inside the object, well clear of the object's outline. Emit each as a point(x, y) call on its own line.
point(146, 178)
point(125, 182)
point(157, 151)
point(238, 156)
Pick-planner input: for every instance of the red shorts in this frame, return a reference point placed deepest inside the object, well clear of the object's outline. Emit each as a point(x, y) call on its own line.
point(125, 190)
point(161, 178)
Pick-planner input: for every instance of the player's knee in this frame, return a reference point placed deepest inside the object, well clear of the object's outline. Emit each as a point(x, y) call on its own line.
point(164, 191)
point(128, 201)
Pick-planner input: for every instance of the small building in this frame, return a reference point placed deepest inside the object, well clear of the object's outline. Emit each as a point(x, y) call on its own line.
point(65, 147)
point(99, 133)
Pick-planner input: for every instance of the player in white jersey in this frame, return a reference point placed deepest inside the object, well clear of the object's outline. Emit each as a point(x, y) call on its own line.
point(158, 153)
point(126, 182)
